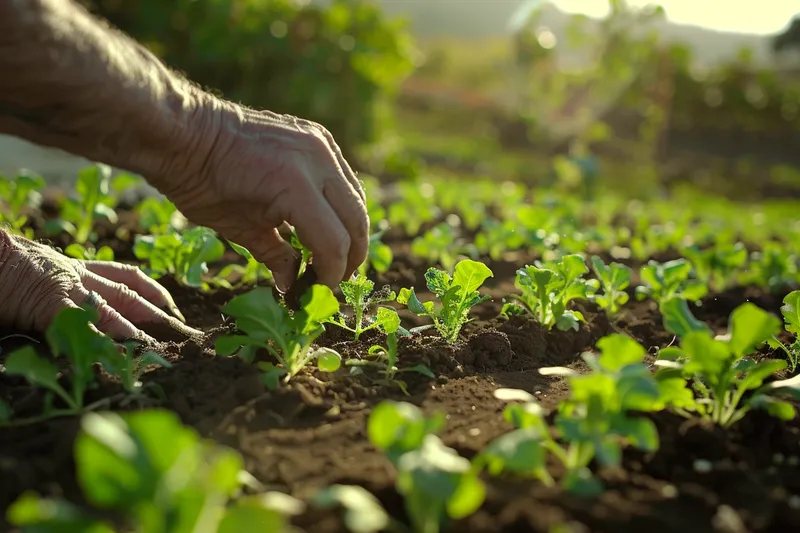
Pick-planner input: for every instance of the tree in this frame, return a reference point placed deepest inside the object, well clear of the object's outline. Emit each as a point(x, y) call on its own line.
point(789, 39)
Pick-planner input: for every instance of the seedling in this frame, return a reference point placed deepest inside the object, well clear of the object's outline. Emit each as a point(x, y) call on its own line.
point(379, 255)
point(17, 196)
point(159, 215)
point(288, 337)
point(88, 252)
point(772, 267)
point(595, 421)
point(718, 265)
point(249, 274)
point(613, 280)
point(183, 255)
point(721, 374)
point(360, 297)
point(363, 512)
point(123, 466)
point(71, 336)
point(385, 358)
point(94, 200)
point(791, 317)
point(664, 281)
point(457, 295)
point(435, 482)
point(442, 245)
point(546, 292)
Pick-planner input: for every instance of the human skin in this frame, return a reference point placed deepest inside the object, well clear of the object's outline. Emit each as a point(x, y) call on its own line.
point(69, 81)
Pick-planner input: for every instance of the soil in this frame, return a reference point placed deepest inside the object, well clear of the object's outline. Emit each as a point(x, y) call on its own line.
point(311, 432)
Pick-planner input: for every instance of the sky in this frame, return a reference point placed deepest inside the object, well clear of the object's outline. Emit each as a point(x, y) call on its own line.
point(763, 17)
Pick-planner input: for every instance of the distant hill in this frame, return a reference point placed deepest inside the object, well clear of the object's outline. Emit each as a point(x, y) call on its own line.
point(481, 19)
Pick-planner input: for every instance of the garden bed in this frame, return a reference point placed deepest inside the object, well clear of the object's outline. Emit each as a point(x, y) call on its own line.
point(311, 432)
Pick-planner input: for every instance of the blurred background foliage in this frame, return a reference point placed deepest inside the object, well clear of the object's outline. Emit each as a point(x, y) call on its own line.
point(339, 65)
point(507, 105)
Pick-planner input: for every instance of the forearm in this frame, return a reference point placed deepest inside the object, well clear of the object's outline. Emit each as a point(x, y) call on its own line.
point(70, 82)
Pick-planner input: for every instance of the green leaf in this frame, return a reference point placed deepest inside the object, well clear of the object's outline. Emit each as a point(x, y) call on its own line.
point(791, 312)
point(36, 369)
point(520, 451)
point(328, 360)
point(75, 250)
point(229, 344)
point(399, 427)
point(319, 304)
point(678, 319)
point(469, 496)
point(260, 513)
point(750, 327)
point(762, 370)
point(6, 412)
point(105, 253)
point(387, 319)
point(618, 350)
point(470, 275)
point(38, 515)
point(363, 512)
point(409, 298)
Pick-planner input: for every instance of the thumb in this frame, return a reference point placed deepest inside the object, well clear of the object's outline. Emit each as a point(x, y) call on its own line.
point(270, 248)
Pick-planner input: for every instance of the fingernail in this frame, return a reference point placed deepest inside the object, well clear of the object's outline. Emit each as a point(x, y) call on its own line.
point(177, 312)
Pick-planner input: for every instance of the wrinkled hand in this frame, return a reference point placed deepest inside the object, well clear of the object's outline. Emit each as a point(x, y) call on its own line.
point(252, 172)
point(36, 282)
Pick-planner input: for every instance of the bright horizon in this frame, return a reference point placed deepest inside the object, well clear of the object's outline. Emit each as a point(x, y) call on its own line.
point(766, 17)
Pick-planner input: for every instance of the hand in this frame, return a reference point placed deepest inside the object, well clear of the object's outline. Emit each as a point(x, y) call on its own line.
point(36, 282)
point(251, 172)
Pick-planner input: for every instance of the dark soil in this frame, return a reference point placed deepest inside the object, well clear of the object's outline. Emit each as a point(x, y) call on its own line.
point(311, 432)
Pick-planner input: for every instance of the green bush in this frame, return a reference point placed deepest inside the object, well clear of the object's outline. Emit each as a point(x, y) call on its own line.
point(338, 64)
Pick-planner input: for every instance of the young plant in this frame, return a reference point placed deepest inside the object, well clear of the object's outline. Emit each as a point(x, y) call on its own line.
point(159, 215)
point(183, 255)
point(363, 512)
point(773, 267)
point(249, 274)
point(385, 358)
point(360, 297)
point(288, 337)
point(129, 366)
point(791, 317)
point(546, 292)
point(613, 280)
point(123, 466)
point(718, 265)
point(719, 371)
point(379, 255)
point(96, 198)
point(441, 244)
point(87, 252)
point(17, 196)
point(595, 422)
point(436, 483)
point(663, 281)
point(457, 295)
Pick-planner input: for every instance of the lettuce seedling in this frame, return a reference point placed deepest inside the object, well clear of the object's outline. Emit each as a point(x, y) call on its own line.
point(613, 280)
point(71, 336)
point(123, 466)
point(546, 292)
point(721, 374)
point(773, 267)
point(663, 281)
point(249, 274)
point(718, 265)
point(159, 215)
point(288, 337)
point(379, 255)
point(183, 255)
point(435, 482)
point(385, 357)
point(88, 252)
point(361, 298)
point(457, 296)
point(94, 200)
point(363, 512)
point(496, 238)
point(595, 421)
point(442, 245)
point(791, 317)
point(16, 196)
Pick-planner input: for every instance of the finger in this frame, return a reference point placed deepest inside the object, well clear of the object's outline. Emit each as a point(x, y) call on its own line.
point(320, 229)
point(131, 305)
point(353, 215)
point(344, 165)
point(270, 248)
point(110, 321)
point(138, 281)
